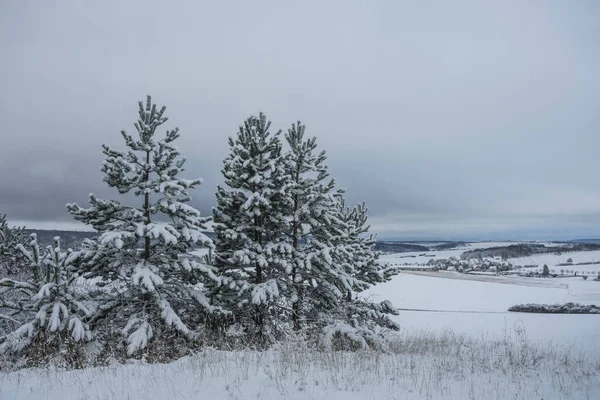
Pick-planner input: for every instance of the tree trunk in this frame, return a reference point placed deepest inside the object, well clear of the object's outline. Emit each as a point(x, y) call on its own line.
point(297, 306)
point(259, 309)
point(147, 212)
point(258, 239)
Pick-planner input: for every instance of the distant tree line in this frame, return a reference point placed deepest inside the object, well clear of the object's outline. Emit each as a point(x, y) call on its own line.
point(527, 249)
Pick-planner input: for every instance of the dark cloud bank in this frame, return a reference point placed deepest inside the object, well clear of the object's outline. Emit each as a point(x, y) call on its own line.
point(451, 119)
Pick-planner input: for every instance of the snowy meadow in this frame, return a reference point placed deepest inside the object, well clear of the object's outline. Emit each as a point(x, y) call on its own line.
point(419, 365)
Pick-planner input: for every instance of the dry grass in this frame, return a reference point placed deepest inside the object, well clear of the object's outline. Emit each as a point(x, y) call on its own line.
point(419, 365)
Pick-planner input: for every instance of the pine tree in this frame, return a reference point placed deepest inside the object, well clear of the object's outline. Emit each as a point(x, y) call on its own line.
point(310, 191)
point(10, 238)
point(12, 260)
point(545, 271)
point(249, 222)
point(159, 288)
point(352, 269)
point(52, 309)
point(291, 250)
point(365, 259)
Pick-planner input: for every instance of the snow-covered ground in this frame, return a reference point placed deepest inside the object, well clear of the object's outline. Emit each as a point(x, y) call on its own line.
point(553, 261)
point(496, 355)
point(422, 257)
point(477, 305)
point(421, 366)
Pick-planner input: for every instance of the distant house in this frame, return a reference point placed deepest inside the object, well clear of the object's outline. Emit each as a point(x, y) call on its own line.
point(530, 266)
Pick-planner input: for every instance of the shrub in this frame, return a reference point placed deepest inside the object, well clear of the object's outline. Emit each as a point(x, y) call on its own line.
point(568, 308)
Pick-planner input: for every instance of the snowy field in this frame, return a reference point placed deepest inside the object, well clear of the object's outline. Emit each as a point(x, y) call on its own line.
point(457, 341)
point(477, 305)
point(591, 259)
point(452, 301)
point(423, 366)
point(553, 261)
point(422, 257)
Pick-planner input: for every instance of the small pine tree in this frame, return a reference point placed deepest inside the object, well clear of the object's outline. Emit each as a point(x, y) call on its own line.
point(366, 258)
point(48, 302)
point(545, 271)
point(354, 268)
point(159, 290)
point(10, 238)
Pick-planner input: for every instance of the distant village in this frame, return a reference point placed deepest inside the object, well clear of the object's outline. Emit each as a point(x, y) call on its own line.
point(491, 266)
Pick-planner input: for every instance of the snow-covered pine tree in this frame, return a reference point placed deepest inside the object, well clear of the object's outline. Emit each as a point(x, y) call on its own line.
point(352, 267)
point(310, 190)
point(11, 259)
point(50, 310)
point(365, 259)
point(160, 288)
point(251, 251)
point(10, 238)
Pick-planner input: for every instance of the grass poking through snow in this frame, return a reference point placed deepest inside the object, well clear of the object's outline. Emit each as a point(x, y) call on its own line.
point(419, 365)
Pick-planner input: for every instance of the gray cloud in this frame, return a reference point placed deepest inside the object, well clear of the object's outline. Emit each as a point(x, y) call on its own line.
point(462, 119)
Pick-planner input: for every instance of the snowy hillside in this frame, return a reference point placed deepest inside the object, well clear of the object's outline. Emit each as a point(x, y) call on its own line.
point(567, 260)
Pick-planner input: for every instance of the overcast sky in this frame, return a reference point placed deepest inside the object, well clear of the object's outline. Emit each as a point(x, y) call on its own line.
point(455, 120)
